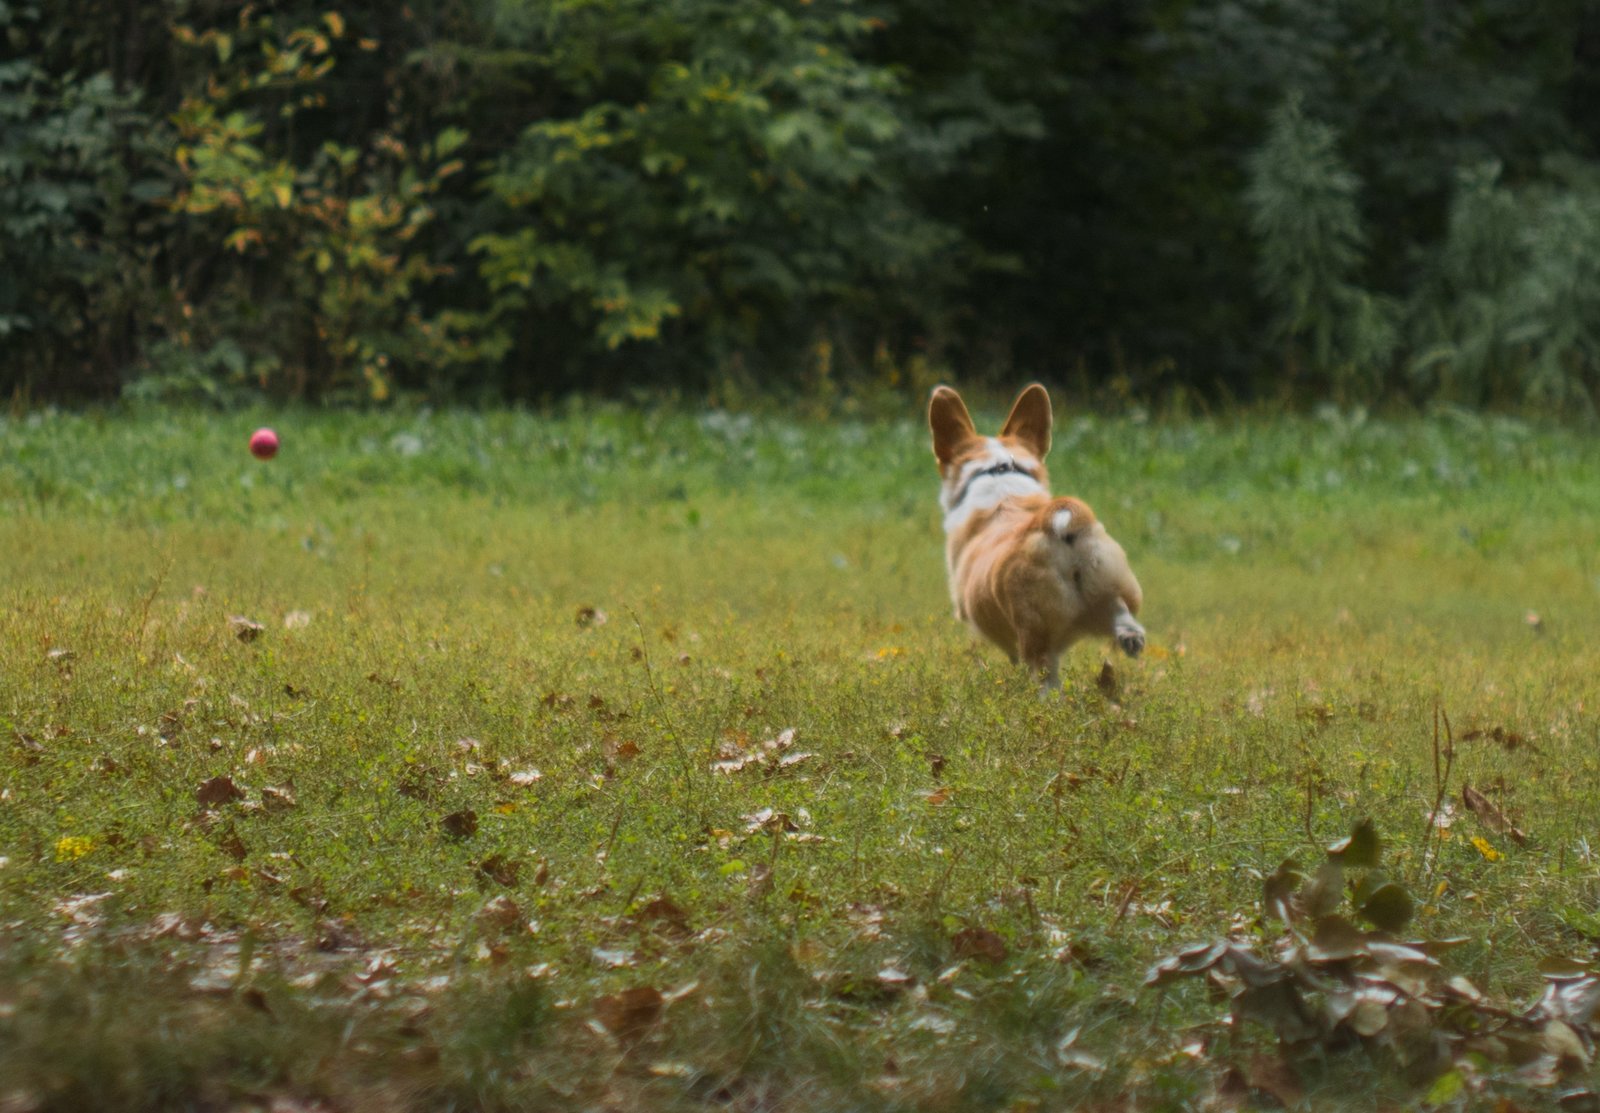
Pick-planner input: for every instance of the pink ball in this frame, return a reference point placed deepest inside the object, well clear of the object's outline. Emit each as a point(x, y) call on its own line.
point(263, 444)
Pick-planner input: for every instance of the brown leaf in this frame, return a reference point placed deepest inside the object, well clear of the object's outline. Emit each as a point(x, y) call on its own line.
point(667, 917)
point(277, 798)
point(619, 749)
point(1233, 1091)
point(1509, 740)
point(591, 616)
point(631, 1014)
point(1278, 889)
point(31, 748)
point(500, 869)
point(500, 912)
point(218, 790)
point(1273, 1075)
point(245, 629)
point(978, 942)
point(232, 845)
point(460, 825)
point(1107, 681)
point(1336, 940)
point(1485, 811)
point(772, 822)
point(1279, 1006)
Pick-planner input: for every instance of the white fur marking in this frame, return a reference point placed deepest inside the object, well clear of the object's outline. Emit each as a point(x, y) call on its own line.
point(1061, 521)
point(986, 491)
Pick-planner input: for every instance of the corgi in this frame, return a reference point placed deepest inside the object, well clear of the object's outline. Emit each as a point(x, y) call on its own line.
point(1031, 573)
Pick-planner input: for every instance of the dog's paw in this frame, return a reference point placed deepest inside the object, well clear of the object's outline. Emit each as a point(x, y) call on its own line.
point(1131, 641)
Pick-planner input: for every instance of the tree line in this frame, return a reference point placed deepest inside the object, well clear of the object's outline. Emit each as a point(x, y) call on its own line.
point(489, 199)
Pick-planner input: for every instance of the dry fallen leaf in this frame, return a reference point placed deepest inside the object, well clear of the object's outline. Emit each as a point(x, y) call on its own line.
point(1107, 681)
point(460, 825)
point(631, 1014)
point(894, 977)
point(277, 798)
point(619, 749)
point(978, 942)
point(500, 869)
point(1510, 740)
point(232, 845)
point(1485, 811)
point(218, 790)
point(664, 914)
point(245, 629)
point(500, 912)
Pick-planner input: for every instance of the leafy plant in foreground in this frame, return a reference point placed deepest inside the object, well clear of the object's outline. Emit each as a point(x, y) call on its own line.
point(1329, 983)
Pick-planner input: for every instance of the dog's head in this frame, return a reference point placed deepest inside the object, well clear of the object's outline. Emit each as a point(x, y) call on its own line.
point(965, 456)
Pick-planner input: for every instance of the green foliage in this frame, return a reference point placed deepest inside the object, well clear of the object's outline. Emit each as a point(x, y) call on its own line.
point(728, 180)
point(469, 198)
point(317, 284)
point(1304, 212)
point(77, 188)
point(1510, 312)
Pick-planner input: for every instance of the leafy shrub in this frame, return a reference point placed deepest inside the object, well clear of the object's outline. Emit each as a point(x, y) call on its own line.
point(1305, 214)
point(78, 183)
point(1511, 310)
point(726, 175)
point(318, 285)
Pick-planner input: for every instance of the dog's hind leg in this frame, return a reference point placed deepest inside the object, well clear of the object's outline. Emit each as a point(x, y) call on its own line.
point(1043, 662)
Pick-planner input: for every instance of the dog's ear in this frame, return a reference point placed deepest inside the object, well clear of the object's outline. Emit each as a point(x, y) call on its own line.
point(1030, 420)
point(951, 424)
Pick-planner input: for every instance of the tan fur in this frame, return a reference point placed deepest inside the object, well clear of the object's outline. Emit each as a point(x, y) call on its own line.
point(1028, 586)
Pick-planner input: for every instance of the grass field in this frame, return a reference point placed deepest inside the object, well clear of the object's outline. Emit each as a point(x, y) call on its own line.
point(500, 808)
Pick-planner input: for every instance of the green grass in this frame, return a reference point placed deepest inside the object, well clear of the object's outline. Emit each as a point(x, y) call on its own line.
point(1315, 589)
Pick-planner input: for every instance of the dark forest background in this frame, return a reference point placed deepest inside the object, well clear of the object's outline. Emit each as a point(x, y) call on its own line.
point(516, 199)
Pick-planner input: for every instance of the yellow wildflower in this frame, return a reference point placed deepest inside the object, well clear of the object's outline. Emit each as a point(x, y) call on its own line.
point(72, 847)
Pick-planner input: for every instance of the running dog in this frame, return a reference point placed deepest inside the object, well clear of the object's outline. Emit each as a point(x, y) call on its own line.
point(1031, 573)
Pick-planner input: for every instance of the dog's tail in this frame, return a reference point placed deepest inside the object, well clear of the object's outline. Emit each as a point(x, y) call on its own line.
point(1099, 566)
point(1064, 518)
